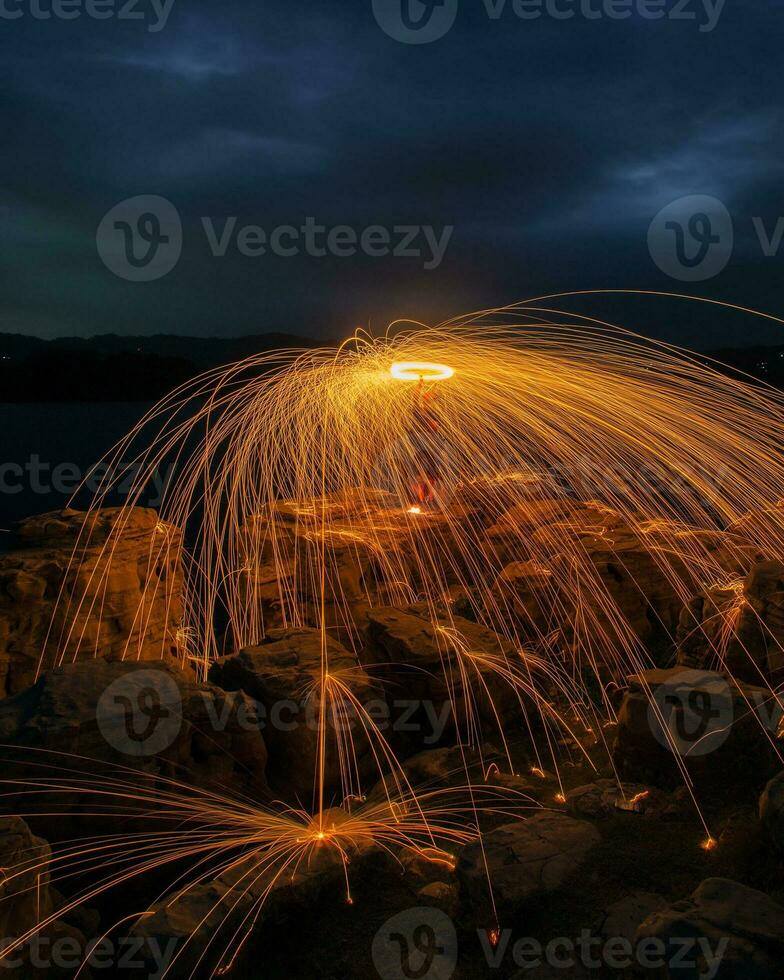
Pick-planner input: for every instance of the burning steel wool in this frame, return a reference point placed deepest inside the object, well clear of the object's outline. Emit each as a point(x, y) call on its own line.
point(430, 471)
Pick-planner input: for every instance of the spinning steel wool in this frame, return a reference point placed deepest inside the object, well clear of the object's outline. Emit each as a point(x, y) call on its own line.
point(478, 465)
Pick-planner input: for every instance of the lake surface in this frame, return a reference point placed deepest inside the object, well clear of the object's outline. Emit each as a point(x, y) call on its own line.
point(45, 448)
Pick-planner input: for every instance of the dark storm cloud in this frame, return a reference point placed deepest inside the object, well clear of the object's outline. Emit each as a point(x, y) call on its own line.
point(548, 145)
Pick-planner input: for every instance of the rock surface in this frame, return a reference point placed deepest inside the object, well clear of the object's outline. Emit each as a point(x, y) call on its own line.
point(738, 628)
point(624, 917)
point(772, 810)
point(606, 797)
point(152, 719)
point(524, 858)
point(704, 720)
point(210, 919)
point(27, 899)
point(283, 675)
point(80, 586)
point(453, 665)
point(748, 922)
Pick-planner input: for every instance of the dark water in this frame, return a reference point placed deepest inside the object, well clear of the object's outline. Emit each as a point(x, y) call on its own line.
point(46, 448)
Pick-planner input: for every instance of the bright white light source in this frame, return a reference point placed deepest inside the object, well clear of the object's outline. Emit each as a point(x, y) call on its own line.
point(420, 371)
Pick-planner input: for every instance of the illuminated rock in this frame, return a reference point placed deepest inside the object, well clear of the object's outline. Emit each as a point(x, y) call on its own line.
point(69, 593)
point(283, 676)
point(738, 627)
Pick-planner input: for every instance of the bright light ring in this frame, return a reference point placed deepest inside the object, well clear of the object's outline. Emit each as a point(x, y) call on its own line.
point(420, 371)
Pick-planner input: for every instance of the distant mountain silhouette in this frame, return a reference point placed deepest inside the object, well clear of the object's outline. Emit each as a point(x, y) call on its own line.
point(110, 367)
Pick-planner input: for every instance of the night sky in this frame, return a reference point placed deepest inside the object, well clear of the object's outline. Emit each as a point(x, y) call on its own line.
point(548, 145)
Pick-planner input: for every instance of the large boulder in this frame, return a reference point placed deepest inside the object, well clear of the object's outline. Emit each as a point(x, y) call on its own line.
point(283, 675)
point(83, 721)
point(725, 929)
point(523, 859)
point(459, 669)
point(738, 627)
point(701, 721)
point(640, 568)
point(772, 810)
point(206, 925)
point(24, 898)
point(78, 586)
point(28, 909)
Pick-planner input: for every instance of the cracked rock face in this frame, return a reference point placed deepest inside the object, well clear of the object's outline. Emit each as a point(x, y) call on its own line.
point(78, 586)
point(282, 675)
point(741, 927)
point(525, 858)
point(741, 626)
point(703, 721)
point(157, 722)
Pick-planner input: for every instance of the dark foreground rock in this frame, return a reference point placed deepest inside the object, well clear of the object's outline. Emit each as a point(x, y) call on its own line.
point(624, 917)
point(701, 720)
point(772, 811)
point(525, 858)
point(736, 932)
point(283, 675)
point(49, 946)
point(82, 721)
point(229, 920)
